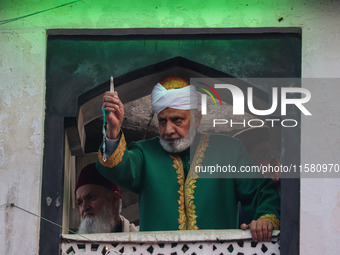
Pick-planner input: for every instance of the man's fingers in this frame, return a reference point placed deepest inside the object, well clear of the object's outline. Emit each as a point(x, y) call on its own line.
point(119, 102)
point(112, 104)
point(261, 230)
point(115, 104)
point(264, 232)
point(113, 108)
point(270, 231)
point(110, 99)
point(253, 231)
point(267, 231)
point(114, 116)
point(109, 96)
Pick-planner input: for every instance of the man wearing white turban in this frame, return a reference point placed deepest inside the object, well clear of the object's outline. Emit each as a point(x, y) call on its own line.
point(172, 196)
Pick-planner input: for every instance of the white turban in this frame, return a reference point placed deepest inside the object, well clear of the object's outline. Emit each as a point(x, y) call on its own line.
point(185, 98)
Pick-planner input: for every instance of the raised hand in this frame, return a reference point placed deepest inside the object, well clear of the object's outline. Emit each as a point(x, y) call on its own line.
point(114, 114)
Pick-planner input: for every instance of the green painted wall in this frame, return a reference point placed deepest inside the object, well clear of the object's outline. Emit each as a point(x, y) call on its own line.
point(151, 13)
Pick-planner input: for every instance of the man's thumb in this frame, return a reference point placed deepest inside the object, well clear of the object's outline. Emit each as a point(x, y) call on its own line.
point(244, 226)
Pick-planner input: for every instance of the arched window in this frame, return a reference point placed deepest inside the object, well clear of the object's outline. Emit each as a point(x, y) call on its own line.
point(78, 69)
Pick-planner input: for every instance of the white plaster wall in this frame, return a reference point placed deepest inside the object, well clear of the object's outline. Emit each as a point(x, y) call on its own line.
point(320, 198)
point(22, 84)
point(22, 79)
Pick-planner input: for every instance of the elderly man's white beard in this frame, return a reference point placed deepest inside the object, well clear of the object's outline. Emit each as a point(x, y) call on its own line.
point(181, 144)
point(102, 223)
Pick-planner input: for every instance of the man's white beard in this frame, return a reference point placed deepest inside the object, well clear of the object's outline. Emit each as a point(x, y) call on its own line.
point(181, 144)
point(102, 223)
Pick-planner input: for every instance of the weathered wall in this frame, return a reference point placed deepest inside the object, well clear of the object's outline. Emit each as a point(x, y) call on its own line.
point(22, 72)
point(22, 79)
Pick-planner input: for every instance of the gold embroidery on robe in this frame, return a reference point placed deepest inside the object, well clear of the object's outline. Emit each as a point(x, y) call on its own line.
point(182, 220)
point(186, 209)
point(190, 183)
point(272, 218)
point(116, 157)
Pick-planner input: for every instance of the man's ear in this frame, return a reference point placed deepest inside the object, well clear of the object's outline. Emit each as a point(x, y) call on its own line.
point(116, 197)
point(116, 205)
point(116, 202)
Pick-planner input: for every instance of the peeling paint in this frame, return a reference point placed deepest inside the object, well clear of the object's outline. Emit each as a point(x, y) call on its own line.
point(48, 201)
point(57, 202)
point(35, 138)
point(3, 126)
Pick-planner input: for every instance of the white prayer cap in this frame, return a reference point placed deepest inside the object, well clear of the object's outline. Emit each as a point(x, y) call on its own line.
point(175, 93)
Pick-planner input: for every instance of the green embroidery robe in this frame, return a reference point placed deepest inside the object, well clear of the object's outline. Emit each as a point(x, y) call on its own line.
point(173, 197)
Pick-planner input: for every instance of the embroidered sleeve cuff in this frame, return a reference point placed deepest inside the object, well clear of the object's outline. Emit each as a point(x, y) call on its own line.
point(117, 155)
point(272, 218)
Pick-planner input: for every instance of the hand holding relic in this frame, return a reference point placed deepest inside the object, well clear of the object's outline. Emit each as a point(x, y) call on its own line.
point(114, 114)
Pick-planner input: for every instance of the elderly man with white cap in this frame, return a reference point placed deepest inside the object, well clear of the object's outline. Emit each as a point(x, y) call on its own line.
point(172, 195)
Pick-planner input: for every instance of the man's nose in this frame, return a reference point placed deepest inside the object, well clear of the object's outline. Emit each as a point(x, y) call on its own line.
point(85, 206)
point(169, 129)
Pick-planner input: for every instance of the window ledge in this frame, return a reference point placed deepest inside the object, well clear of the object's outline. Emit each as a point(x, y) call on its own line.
point(169, 242)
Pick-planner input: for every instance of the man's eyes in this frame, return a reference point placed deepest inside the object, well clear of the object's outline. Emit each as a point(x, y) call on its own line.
point(177, 120)
point(87, 198)
point(173, 120)
point(91, 197)
point(161, 121)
